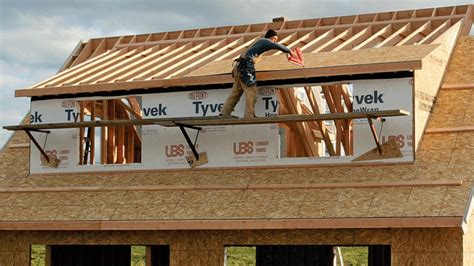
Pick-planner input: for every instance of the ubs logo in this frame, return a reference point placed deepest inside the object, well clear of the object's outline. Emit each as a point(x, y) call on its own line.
point(243, 147)
point(175, 150)
point(197, 95)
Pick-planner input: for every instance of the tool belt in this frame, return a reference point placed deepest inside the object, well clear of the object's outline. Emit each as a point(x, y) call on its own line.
point(246, 69)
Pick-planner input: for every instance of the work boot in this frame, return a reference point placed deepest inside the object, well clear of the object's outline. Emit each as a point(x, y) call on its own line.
point(225, 116)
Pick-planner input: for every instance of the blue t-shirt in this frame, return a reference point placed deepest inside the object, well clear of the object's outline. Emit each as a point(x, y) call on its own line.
point(261, 46)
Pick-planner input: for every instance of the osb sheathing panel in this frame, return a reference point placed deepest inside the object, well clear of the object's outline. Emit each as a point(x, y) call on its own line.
point(14, 161)
point(460, 70)
point(440, 246)
point(236, 204)
point(454, 107)
point(328, 59)
point(428, 80)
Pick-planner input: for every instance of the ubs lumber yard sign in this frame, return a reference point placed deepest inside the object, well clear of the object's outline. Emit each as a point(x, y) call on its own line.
point(226, 146)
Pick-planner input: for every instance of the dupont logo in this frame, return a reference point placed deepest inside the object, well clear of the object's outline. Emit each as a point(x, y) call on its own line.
point(69, 104)
point(266, 91)
point(197, 95)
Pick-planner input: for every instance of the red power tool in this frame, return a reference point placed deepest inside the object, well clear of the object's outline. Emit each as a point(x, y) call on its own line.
point(297, 59)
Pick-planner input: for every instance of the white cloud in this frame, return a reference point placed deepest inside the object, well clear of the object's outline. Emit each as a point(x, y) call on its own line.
point(41, 40)
point(30, 51)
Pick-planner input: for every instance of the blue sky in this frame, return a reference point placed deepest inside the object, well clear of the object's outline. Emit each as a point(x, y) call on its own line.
point(36, 37)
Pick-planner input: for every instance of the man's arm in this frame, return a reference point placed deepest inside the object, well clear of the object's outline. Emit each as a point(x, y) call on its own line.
point(281, 47)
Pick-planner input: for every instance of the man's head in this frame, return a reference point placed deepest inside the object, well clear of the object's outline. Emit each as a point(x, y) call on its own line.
point(272, 35)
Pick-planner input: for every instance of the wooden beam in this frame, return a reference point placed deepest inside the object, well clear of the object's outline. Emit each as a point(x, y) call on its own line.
point(302, 40)
point(130, 149)
point(334, 42)
point(212, 121)
point(120, 134)
point(156, 59)
point(302, 128)
point(100, 49)
point(104, 133)
point(462, 86)
point(236, 51)
point(134, 104)
point(349, 107)
point(137, 65)
point(168, 60)
point(325, 71)
point(449, 129)
point(105, 72)
point(318, 41)
point(337, 95)
point(324, 130)
point(92, 136)
point(332, 108)
point(237, 224)
point(111, 137)
point(290, 31)
point(374, 38)
point(354, 40)
point(167, 72)
point(436, 32)
point(81, 133)
point(295, 146)
point(84, 54)
point(252, 186)
point(211, 55)
point(395, 37)
point(416, 35)
point(129, 109)
point(78, 68)
point(76, 78)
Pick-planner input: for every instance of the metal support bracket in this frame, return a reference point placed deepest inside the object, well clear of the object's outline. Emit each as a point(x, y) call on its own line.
point(196, 159)
point(374, 132)
point(183, 127)
point(27, 131)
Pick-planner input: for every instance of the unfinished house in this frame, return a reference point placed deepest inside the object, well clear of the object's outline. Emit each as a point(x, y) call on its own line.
point(370, 144)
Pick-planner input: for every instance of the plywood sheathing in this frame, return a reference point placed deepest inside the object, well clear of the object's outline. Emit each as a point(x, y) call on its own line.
point(14, 157)
point(398, 54)
point(232, 204)
point(390, 149)
point(429, 79)
point(418, 246)
point(460, 70)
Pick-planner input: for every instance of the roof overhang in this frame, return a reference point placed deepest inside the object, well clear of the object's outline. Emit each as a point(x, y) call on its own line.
point(254, 224)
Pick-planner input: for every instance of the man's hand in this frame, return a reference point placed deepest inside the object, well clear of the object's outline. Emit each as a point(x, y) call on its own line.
point(293, 53)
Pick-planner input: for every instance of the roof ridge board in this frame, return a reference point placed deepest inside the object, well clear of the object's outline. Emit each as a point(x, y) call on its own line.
point(301, 22)
point(307, 29)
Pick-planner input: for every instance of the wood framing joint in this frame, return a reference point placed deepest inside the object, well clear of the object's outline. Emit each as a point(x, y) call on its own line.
point(54, 162)
point(374, 132)
point(199, 158)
